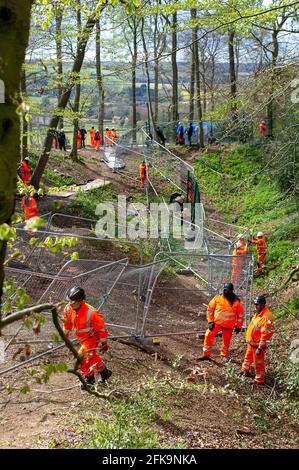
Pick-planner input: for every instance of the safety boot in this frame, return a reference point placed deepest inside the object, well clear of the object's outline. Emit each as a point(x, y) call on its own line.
point(254, 382)
point(203, 358)
point(89, 381)
point(105, 374)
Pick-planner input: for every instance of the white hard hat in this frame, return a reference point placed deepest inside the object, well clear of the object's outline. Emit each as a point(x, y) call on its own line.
point(259, 234)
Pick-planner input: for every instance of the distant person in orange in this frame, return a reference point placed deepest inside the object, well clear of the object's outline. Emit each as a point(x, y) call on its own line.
point(107, 136)
point(92, 135)
point(261, 248)
point(30, 207)
point(262, 129)
point(24, 171)
point(79, 139)
point(143, 174)
point(98, 139)
point(113, 135)
point(240, 249)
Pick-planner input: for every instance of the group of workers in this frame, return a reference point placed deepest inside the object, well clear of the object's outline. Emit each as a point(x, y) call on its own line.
point(29, 203)
point(96, 138)
point(225, 316)
point(241, 248)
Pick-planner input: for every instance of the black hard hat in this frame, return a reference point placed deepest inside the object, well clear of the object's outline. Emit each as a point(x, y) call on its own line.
point(229, 286)
point(75, 294)
point(260, 300)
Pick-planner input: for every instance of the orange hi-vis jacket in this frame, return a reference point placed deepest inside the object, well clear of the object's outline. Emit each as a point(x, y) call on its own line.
point(222, 313)
point(260, 330)
point(25, 172)
point(87, 322)
point(142, 171)
point(261, 245)
point(113, 136)
point(30, 207)
point(241, 249)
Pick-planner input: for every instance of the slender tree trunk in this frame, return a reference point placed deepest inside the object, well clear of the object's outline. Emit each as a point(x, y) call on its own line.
point(232, 74)
point(149, 98)
point(192, 86)
point(101, 116)
point(212, 83)
point(14, 34)
point(134, 101)
point(270, 105)
point(198, 83)
point(25, 127)
point(59, 64)
point(175, 84)
point(156, 73)
point(76, 108)
point(43, 160)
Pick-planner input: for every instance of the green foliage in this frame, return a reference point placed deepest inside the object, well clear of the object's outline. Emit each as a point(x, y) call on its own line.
point(55, 244)
point(43, 375)
point(7, 232)
point(57, 179)
point(86, 202)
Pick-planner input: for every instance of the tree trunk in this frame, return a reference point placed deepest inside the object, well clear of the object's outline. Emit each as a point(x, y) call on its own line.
point(134, 101)
point(76, 108)
point(14, 33)
point(43, 160)
point(58, 39)
point(192, 88)
point(270, 105)
point(101, 116)
point(175, 93)
point(149, 99)
point(198, 84)
point(232, 74)
point(25, 127)
point(156, 73)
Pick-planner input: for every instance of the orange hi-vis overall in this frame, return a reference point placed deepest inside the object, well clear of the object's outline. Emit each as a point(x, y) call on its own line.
point(92, 134)
point(79, 139)
point(30, 207)
point(258, 335)
point(113, 136)
point(90, 330)
point(142, 174)
point(261, 248)
point(25, 172)
point(225, 316)
point(237, 261)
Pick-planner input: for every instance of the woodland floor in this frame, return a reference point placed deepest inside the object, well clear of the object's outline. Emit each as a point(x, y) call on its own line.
point(213, 413)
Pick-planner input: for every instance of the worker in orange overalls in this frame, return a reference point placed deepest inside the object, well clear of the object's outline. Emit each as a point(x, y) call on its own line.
point(90, 330)
point(262, 129)
point(225, 314)
point(113, 135)
point(30, 207)
point(92, 135)
point(24, 171)
point(98, 139)
point(143, 174)
point(79, 139)
point(240, 249)
point(107, 135)
point(258, 336)
point(261, 248)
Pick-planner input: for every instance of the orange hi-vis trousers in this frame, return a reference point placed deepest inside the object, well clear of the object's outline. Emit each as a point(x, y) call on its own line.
point(210, 337)
point(92, 361)
point(258, 361)
point(260, 261)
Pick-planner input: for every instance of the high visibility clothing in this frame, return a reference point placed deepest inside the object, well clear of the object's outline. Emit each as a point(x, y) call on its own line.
point(24, 172)
point(90, 330)
point(258, 335)
point(237, 261)
point(142, 170)
point(98, 139)
point(30, 207)
point(210, 337)
point(225, 316)
point(262, 129)
point(79, 139)
point(260, 329)
point(113, 136)
point(223, 313)
point(108, 138)
point(92, 135)
point(261, 248)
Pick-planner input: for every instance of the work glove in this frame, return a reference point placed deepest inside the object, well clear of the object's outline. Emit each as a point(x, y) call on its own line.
point(211, 326)
point(237, 330)
point(258, 352)
point(104, 346)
